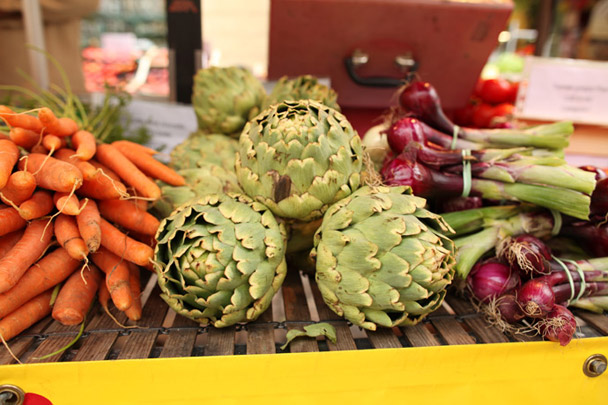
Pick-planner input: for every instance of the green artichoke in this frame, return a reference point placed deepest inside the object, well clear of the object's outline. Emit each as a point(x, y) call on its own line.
point(200, 148)
point(305, 87)
point(381, 259)
point(225, 98)
point(221, 259)
point(208, 178)
point(298, 157)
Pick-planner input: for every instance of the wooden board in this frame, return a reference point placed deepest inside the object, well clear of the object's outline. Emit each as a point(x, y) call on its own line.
point(163, 333)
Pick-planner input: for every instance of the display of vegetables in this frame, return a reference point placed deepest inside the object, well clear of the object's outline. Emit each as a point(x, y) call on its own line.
point(75, 219)
point(270, 179)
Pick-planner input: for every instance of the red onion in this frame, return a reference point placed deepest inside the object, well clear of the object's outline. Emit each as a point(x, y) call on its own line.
point(509, 309)
point(422, 100)
point(527, 254)
point(404, 131)
point(454, 204)
point(559, 325)
point(536, 298)
point(491, 279)
point(599, 198)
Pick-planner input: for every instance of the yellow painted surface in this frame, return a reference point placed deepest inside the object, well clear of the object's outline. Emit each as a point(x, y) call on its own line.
point(506, 373)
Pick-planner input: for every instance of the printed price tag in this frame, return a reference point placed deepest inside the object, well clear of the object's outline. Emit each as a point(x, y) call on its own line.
point(555, 89)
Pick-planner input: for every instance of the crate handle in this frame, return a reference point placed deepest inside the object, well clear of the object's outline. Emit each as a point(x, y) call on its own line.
point(358, 58)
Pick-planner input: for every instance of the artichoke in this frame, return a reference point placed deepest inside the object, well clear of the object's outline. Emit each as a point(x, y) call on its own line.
point(200, 148)
point(304, 87)
point(381, 259)
point(208, 178)
point(221, 259)
point(299, 157)
point(225, 98)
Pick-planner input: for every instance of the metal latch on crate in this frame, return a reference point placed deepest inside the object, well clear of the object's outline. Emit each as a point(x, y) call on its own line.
point(405, 62)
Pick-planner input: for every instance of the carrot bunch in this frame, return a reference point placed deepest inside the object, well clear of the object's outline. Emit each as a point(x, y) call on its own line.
point(73, 217)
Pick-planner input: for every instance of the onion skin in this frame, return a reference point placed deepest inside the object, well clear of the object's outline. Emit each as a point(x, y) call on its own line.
point(535, 298)
point(509, 309)
point(526, 253)
point(421, 99)
point(491, 279)
point(559, 325)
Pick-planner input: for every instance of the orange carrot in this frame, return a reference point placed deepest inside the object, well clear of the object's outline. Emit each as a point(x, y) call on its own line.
point(25, 137)
point(53, 142)
point(51, 173)
point(68, 236)
point(123, 246)
point(26, 315)
point(38, 205)
point(110, 156)
point(20, 187)
point(57, 126)
point(26, 252)
point(66, 203)
point(105, 185)
point(9, 154)
point(10, 221)
point(134, 311)
point(85, 144)
point(9, 240)
point(20, 120)
point(49, 271)
point(129, 216)
point(117, 277)
point(137, 146)
point(39, 148)
point(68, 155)
point(103, 295)
point(88, 221)
point(149, 165)
point(76, 296)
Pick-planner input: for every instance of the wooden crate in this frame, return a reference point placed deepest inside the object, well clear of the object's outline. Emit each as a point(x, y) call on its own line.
point(162, 334)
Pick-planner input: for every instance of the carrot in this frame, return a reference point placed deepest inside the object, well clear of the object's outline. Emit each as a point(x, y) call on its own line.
point(10, 221)
point(9, 154)
point(105, 185)
point(85, 144)
point(39, 148)
point(37, 206)
point(129, 216)
point(49, 271)
point(76, 296)
point(149, 165)
point(57, 126)
point(20, 187)
point(66, 203)
point(68, 236)
point(137, 146)
point(88, 222)
point(20, 120)
point(9, 240)
point(26, 315)
point(103, 296)
point(68, 155)
point(134, 311)
point(52, 174)
point(110, 156)
point(123, 246)
point(26, 252)
point(53, 142)
point(24, 137)
point(117, 277)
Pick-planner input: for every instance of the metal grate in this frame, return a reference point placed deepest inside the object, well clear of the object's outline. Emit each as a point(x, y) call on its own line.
point(163, 334)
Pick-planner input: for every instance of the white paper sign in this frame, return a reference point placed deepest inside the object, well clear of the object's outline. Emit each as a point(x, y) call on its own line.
point(555, 89)
point(169, 124)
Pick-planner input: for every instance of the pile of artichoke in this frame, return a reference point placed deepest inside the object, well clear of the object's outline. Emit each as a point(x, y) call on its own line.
point(293, 184)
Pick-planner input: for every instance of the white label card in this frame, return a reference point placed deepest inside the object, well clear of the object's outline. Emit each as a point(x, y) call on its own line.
point(555, 89)
point(169, 124)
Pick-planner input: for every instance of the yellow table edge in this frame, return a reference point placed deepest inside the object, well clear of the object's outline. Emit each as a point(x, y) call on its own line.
point(533, 372)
